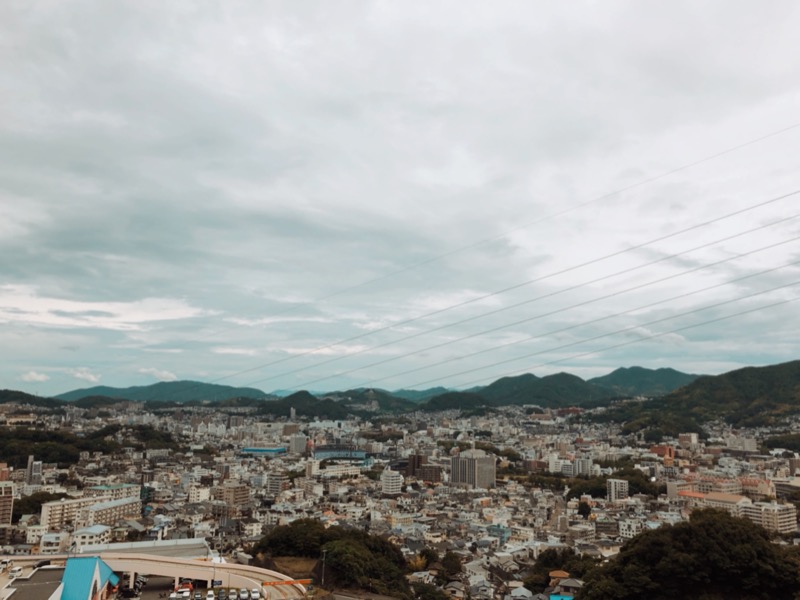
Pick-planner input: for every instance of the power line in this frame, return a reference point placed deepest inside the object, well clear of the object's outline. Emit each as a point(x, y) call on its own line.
point(514, 287)
point(635, 341)
point(531, 300)
point(618, 331)
point(542, 219)
point(561, 310)
point(583, 324)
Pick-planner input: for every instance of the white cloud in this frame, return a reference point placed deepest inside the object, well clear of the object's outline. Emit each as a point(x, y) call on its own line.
point(235, 351)
point(33, 376)
point(85, 374)
point(159, 374)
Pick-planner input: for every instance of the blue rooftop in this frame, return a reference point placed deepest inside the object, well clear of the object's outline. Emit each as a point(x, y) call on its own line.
point(81, 575)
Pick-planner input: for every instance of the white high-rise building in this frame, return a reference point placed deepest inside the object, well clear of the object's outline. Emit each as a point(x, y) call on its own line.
point(616, 489)
point(391, 482)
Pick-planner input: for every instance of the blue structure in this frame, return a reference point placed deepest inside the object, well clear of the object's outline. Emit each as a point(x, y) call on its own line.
point(338, 451)
point(265, 451)
point(87, 578)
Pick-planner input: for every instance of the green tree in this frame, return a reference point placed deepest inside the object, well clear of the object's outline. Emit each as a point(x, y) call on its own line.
point(451, 564)
point(426, 591)
point(712, 557)
point(430, 555)
point(584, 509)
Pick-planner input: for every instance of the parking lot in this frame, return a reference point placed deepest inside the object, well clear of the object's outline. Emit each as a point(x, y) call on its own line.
point(159, 588)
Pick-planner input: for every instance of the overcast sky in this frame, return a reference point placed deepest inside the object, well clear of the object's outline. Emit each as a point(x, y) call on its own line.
point(324, 195)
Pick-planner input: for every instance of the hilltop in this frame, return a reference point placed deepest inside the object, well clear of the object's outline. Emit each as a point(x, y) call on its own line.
point(751, 396)
point(638, 381)
point(174, 391)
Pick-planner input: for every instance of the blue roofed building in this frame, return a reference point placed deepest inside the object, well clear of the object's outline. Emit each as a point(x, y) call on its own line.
point(86, 578)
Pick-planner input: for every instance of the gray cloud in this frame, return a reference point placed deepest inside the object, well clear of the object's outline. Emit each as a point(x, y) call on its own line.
point(197, 190)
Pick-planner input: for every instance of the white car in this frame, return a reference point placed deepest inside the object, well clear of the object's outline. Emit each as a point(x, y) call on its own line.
point(210, 595)
point(244, 594)
point(255, 594)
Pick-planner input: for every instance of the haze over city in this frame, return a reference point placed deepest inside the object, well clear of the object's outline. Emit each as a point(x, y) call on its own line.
point(429, 193)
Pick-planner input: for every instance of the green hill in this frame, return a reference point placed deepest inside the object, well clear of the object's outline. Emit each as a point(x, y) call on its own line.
point(639, 381)
point(14, 396)
point(171, 391)
point(752, 396)
point(305, 405)
point(454, 400)
point(420, 395)
point(749, 396)
point(559, 390)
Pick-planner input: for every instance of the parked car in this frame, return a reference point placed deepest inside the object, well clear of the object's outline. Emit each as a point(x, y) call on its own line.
point(14, 572)
point(255, 594)
point(210, 595)
point(244, 594)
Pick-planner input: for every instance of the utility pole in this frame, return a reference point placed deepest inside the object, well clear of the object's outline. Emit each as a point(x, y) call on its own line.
point(324, 553)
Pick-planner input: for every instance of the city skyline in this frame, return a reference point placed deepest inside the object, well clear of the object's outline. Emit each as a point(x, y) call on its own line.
point(297, 196)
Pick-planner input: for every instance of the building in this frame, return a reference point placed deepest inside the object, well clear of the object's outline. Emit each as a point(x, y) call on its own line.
point(33, 472)
point(781, 518)
point(391, 482)
point(473, 468)
point(616, 489)
point(109, 512)
point(86, 578)
point(114, 492)
point(62, 512)
point(96, 534)
point(233, 494)
point(6, 502)
point(275, 483)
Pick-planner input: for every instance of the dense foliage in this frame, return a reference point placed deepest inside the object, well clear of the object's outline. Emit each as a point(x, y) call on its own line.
point(353, 558)
point(712, 557)
point(558, 390)
point(305, 405)
point(638, 381)
point(64, 447)
point(750, 397)
point(553, 560)
point(61, 447)
point(788, 441)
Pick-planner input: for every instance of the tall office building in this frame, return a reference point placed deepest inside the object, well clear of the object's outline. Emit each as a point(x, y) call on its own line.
point(33, 473)
point(473, 468)
point(6, 502)
point(616, 489)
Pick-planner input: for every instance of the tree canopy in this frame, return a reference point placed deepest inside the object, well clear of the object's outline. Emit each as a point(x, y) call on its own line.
point(712, 557)
point(353, 558)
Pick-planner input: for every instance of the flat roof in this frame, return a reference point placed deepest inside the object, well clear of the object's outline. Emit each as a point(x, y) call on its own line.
point(182, 548)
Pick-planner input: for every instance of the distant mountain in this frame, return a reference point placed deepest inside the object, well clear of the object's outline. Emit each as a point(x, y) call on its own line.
point(420, 395)
point(305, 405)
point(454, 400)
point(552, 391)
point(387, 402)
point(748, 397)
point(167, 391)
point(639, 381)
point(9, 396)
point(98, 401)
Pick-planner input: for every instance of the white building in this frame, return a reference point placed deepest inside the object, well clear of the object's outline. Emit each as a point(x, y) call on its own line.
point(391, 482)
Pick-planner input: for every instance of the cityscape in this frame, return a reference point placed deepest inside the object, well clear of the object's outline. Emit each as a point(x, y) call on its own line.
point(492, 490)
